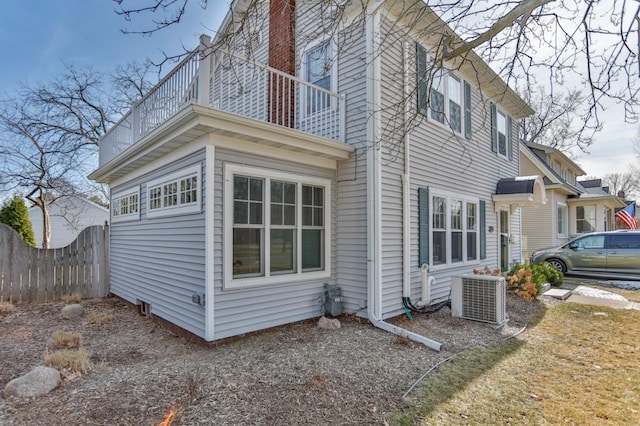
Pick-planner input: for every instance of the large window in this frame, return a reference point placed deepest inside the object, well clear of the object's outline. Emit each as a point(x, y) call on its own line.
point(125, 205)
point(278, 228)
point(585, 219)
point(454, 229)
point(318, 63)
point(562, 220)
point(176, 193)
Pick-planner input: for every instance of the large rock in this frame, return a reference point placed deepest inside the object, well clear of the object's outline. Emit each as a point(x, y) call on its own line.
point(72, 311)
point(328, 324)
point(39, 381)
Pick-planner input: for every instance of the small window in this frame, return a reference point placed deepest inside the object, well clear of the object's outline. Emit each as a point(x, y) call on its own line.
point(455, 102)
point(319, 70)
point(562, 220)
point(502, 133)
point(177, 193)
point(126, 205)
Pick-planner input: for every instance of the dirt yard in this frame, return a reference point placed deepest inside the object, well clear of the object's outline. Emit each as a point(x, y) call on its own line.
point(298, 374)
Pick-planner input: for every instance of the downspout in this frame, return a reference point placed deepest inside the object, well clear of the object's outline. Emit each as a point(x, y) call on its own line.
point(374, 202)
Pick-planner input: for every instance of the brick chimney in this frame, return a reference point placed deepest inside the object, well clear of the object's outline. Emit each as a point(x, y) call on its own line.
point(282, 15)
point(621, 194)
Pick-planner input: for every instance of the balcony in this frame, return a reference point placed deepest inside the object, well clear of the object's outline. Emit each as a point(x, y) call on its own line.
point(228, 82)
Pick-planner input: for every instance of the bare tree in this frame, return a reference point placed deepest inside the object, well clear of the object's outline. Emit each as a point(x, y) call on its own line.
point(553, 123)
point(564, 46)
point(627, 183)
point(49, 132)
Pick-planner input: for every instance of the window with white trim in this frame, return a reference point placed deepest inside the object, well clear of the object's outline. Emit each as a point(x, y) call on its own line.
point(501, 127)
point(125, 205)
point(562, 220)
point(585, 219)
point(318, 69)
point(277, 226)
point(176, 193)
point(454, 229)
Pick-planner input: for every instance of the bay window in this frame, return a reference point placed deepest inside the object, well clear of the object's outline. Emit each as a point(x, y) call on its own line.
point(276, 226)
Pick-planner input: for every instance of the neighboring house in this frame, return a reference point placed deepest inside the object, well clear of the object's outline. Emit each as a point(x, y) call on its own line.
point(573, 207)
point(68, 217)
point(239, 189)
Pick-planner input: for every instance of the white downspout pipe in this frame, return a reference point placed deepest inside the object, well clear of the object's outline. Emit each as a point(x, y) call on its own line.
point(406, 182)
point(374, 204)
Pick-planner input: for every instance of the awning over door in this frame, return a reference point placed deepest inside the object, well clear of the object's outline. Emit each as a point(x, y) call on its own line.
point(520, 191)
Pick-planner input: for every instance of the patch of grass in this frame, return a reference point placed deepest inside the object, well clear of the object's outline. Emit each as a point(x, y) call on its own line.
point(578, 365)
point(73, 361)
point(63, 339)
point(72, 298)
point(6, 308)
point(100, 318)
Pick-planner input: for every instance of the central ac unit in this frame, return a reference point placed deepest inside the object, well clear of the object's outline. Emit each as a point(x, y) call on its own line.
point(479, 298)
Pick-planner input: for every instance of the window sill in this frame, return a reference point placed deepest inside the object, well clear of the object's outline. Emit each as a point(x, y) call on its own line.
point(274, 280)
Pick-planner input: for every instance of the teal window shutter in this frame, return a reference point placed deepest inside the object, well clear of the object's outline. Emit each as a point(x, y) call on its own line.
point(483, 229)
point(509, 138)
point(467, 110)
point(423, 225)
point(494, 128)
point(421, 78)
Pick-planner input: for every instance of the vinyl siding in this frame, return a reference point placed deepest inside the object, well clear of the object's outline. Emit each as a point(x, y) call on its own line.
point(392, 169)
point(238, 311)
point(539, 226)
point(444, 162)
point(351, 250)
point(161, 260)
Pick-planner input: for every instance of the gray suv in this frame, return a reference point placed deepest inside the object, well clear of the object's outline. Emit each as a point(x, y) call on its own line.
point(616, 252)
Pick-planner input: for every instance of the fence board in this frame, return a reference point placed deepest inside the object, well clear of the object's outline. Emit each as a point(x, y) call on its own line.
point(29, 274)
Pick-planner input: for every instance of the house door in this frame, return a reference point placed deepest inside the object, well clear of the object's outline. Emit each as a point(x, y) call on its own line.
point(504, 240)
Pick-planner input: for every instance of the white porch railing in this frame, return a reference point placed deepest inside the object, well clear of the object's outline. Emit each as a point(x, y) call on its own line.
point(230, 83)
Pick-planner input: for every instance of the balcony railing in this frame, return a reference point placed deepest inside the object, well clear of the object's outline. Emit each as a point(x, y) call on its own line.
point(233, 84)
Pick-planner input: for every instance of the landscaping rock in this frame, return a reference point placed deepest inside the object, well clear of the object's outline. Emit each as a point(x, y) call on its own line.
point(328, 324)
point(72, 311)
point(39, 381)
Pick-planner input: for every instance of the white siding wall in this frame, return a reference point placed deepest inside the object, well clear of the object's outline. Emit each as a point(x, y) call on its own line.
point(161, 260)
point(238, 311)
point(351, 266)
point(439, 161)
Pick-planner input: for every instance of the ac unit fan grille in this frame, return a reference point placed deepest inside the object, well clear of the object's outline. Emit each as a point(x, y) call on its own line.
point(481, 299)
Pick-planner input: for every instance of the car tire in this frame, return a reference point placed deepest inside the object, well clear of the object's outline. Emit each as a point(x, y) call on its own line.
point(557, 264)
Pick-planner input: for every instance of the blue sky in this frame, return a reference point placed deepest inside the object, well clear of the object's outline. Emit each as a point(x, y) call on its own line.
point(38, 36)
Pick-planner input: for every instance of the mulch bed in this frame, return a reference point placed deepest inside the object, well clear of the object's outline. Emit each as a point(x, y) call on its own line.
point(297, 374)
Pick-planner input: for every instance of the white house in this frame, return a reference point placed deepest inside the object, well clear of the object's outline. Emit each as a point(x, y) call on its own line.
point(240, 186)
point(68, 217)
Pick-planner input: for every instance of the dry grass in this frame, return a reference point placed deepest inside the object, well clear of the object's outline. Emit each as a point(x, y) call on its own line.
point(6, 308)
point(73, 361)
point(100, 318)
point(72, 298)
point(63, 339)
point(577, 366)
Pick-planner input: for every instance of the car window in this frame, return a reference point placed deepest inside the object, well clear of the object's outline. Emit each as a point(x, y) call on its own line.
point(624, 241)
point(591, 242)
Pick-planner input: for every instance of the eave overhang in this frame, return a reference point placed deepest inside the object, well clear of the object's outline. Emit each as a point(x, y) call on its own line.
point(195, 120)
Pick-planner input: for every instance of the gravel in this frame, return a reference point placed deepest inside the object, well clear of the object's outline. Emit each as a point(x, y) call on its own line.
point(297, 374)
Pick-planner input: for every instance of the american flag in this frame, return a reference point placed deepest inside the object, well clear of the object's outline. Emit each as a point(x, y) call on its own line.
point(628, 215)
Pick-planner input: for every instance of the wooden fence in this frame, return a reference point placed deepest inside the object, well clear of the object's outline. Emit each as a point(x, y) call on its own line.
point(34, 275)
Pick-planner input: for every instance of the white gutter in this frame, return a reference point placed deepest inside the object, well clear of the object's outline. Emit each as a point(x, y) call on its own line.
point(374, 190)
